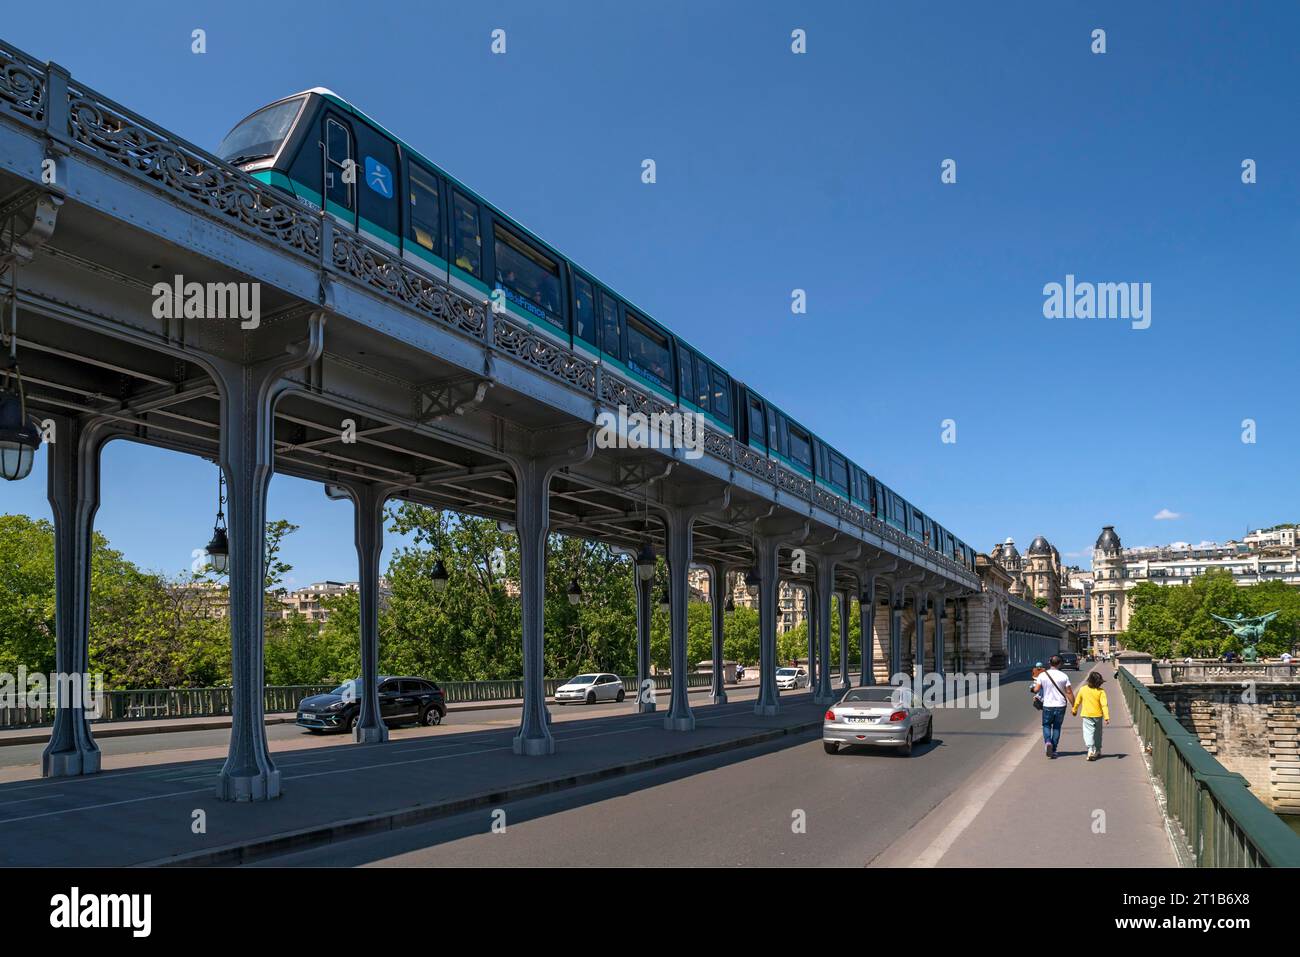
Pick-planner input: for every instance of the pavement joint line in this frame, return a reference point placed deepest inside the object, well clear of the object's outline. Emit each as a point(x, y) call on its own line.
point(98, 807)
point(319, 835)
point(42, 797)
point(1011, 759)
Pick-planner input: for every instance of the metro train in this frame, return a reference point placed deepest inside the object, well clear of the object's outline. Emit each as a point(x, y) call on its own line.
point(320, 149)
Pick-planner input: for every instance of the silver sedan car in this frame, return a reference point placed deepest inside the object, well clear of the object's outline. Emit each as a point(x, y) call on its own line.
point(877, 715)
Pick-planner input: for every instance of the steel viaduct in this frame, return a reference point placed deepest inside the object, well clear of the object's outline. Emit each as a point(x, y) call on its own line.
point(454, 407)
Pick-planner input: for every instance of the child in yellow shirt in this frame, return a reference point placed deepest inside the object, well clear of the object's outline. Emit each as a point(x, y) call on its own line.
point(1092, 701)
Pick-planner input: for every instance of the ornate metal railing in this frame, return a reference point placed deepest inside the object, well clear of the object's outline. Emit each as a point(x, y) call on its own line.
point(95, 126)
point(1226, 672)
point(1222, 823)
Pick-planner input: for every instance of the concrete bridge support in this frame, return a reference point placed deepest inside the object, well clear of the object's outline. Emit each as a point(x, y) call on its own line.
point(718, 591)
point(845, 608)
point(249, 394)
point(680, 513)
point(867, 626)
point(74, 460)
point(769, 533)
point(826, 557)
point(533, 470)
point(645, 691)
point(368, 501)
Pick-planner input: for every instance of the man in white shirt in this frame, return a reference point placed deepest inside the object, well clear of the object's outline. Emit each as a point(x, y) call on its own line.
point(1054, 688)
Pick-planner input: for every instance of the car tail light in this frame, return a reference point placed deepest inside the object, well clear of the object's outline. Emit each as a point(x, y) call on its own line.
point(898, 716)
point(830, 715)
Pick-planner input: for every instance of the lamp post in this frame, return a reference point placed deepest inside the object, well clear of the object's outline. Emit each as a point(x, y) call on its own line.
point(219, 547)
point(19, 439)
point(439, 577)
point(645, 561)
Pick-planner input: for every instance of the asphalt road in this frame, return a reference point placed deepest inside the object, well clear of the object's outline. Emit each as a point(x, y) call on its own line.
point(24, 760)
point(740, 808)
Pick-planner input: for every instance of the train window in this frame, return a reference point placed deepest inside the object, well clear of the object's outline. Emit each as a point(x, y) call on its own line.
point(897, 510)
point(800, 446)
point(611, 334)
point(839, 471)
point(584, 310)
point(530, 280)
point(757, 423)
point(648, 352)
point(423, 226)
point(701, 383)
point(338, 154)
point(687, 374)
point(721, 394)
point(465, 235)
point(261, 134)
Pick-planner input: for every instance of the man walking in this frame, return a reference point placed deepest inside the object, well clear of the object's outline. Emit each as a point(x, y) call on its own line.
point(1054, 688)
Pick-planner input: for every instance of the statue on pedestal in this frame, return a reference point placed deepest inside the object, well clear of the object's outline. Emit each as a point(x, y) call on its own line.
point(1247, 630)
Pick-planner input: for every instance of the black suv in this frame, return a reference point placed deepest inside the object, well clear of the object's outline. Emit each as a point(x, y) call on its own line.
point(1069, 660)
point(400, 699)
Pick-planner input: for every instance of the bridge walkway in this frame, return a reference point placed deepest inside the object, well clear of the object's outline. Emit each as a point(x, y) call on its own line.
point(1026, 810)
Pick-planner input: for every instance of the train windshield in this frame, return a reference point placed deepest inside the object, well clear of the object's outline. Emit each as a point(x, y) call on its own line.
point(260, 136)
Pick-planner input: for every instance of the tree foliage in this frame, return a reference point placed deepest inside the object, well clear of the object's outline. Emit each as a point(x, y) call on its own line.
point(1175, 621)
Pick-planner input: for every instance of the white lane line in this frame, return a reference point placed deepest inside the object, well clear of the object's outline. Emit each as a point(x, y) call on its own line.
point(980, 796)
point(97, 807)
point(43, 797)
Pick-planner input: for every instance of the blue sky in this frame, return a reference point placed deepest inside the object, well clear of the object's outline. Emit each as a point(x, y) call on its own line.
point(821, 171)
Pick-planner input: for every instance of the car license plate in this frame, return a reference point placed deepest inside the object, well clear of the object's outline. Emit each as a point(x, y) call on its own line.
point(859, 719)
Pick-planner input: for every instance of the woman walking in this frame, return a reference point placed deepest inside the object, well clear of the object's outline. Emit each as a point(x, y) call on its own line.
point(1091, 702)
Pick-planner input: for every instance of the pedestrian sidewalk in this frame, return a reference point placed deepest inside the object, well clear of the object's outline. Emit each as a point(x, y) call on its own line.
point(1027, 810)
point(149, 814)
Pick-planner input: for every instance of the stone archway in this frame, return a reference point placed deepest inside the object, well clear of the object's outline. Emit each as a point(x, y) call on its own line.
point(997, 640)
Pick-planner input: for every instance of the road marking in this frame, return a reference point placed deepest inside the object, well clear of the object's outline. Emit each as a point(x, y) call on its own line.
point(43, 797)
point(980, 796)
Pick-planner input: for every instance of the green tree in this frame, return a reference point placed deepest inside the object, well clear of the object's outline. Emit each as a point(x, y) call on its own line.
point(1177, 621)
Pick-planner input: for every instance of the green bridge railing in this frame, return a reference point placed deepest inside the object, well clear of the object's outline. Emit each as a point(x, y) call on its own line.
point(1223, 823)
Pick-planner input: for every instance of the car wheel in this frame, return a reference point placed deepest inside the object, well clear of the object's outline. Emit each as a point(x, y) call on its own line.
point(831, 747)
point(591, 697)
point(351, 724)
point(621, 695)
point(431, 717)
point(929, 731)
point(905, 749)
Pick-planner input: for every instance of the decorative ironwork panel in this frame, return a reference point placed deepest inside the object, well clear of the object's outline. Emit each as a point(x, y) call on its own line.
point(22, 85)
point(759, 465)
point(616, 392)
point(378, 270)
point(189, 172)
point(717, 444)
point(792, 483)
point(526, 346)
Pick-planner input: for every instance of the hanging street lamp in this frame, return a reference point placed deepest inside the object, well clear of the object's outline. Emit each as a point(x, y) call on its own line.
point(439, 576)
point(645, 561)
point(219, 547)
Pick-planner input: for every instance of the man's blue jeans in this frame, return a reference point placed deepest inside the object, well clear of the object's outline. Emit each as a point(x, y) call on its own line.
point(1053, 718)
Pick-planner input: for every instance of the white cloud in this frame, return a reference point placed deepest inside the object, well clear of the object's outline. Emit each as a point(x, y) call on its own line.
point(1165, 515)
